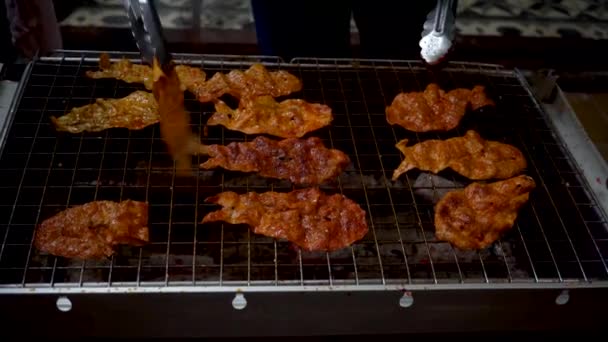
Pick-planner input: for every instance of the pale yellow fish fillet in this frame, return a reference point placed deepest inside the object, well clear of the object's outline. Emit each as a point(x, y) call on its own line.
point(135, 111)
point(190, 78)
point(255, 81)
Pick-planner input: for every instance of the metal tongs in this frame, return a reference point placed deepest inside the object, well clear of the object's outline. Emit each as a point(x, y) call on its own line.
point(147, 31)
point(174, 120)
point(438, 32)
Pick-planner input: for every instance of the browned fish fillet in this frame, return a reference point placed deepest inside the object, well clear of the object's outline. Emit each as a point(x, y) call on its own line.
point(309, 218)
point(470, 156)
point(255, 81)
point(92, 230)
point(477, 216)
point(258, 115)
point(191, 78)
point(174, 121)
point(434, 109)
point(302, 161)
point(134, 111)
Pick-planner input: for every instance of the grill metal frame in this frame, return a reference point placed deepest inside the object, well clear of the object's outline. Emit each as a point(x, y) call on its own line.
point(223, 258)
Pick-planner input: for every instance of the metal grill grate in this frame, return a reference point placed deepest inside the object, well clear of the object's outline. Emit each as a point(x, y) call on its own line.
point(560, 236)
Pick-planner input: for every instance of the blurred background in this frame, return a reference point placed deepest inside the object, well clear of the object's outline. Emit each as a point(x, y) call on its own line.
point(519, 32)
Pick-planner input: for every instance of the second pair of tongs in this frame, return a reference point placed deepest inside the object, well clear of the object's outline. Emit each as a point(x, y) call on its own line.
point(438, 32)
point(174, 121)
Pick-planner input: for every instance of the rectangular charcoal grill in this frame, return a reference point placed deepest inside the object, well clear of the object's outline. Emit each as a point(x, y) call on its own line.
point(560, 240)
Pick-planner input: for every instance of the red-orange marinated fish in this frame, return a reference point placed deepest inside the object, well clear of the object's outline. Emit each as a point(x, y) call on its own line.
point(477, 216)
point(309, 218)
point(135, 111)
point(92, 230)
point(302, 161)
point(174, 121)
point(190, 78)
point(434, 109)
point(470, 156)
point(263, 114)
point(255, 81)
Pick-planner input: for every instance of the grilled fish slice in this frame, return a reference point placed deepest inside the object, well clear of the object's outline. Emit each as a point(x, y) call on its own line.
point(92, 230)
point(255, 81)
point(174, 120)
point(191, 78)
point(434, 109)
point(135, 111)
point(477, 216)
point(309, 218)
point(470, 156)
point(302, 161)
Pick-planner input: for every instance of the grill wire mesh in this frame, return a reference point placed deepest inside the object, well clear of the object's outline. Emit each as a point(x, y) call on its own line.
point(560, 235)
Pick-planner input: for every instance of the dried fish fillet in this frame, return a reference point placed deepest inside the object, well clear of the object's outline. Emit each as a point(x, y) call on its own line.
point(263, 114)
point(92, 230)
point(477, 216)
point(302, 161)
point(135, 111)
point(434, 109)
point(309, 218)
point(190, 78)
point(255, 81)
point(174, 121)
point(470, 156)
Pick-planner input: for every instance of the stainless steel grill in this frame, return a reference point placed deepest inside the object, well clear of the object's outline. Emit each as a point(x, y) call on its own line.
point(560, 239)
